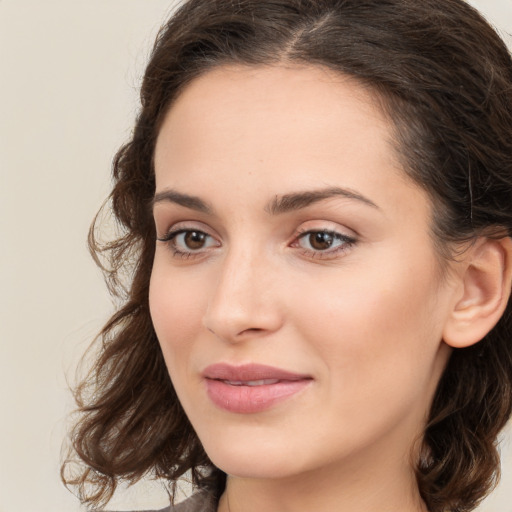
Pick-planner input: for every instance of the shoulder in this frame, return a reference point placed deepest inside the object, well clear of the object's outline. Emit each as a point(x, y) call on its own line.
point(199, 502)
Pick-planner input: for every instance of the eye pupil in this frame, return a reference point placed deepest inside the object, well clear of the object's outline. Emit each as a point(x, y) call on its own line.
point(195, 239)
point(321, 241)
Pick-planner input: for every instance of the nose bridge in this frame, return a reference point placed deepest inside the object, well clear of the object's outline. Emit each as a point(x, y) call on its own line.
point(243, 300)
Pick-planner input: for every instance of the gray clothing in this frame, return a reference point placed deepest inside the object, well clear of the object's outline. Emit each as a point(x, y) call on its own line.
point(199, 502)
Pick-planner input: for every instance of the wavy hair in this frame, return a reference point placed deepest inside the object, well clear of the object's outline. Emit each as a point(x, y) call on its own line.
point(444, 78)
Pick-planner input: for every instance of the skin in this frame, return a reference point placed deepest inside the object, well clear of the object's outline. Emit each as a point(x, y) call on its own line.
point(364, 319)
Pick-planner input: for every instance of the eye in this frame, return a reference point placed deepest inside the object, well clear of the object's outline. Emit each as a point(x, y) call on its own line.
point(187, 242)
point(193, 240)
point(321, 243)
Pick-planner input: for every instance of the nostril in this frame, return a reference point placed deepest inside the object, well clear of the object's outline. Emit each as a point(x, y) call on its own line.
point(251, 330)
point(233, 322)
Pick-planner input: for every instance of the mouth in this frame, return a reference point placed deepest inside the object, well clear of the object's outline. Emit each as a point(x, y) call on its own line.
point(251, 388)
point(261, 382)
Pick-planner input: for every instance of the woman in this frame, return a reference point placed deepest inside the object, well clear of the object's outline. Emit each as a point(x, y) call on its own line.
point(316, 215)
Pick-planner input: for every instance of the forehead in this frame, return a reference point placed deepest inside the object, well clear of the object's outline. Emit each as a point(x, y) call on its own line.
point(272, 130)
point(273, 110)
point(274, 89)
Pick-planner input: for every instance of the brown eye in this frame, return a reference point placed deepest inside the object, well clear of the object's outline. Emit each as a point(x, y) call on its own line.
point(324, 243)
point(320, 240)
point(194, 239)
point(189, 241)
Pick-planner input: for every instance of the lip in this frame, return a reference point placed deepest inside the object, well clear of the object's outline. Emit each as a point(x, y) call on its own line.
point(251, 388)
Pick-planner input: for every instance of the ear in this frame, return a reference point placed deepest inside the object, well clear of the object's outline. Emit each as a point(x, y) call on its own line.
point(485, 282)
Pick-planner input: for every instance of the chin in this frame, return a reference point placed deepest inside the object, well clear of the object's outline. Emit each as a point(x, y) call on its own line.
point(247, 456)
point(254, 466)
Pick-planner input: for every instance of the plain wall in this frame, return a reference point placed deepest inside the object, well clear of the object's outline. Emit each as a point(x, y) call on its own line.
point(69, 72)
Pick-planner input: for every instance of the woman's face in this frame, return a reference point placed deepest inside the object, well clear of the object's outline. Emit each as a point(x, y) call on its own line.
point(296, 292)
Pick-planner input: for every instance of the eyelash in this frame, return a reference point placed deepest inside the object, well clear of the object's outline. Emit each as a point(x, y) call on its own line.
point(170, 237)
point(347, 242)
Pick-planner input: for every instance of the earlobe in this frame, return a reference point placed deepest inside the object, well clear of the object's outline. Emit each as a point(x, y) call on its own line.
point(485, 283)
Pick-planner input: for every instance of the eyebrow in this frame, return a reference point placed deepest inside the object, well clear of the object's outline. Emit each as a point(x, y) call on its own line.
point(299, 200)
point(278, 205)
point(186, 200)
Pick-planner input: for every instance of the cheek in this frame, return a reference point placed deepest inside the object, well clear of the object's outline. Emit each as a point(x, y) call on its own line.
point(371, 326)
point(378, 343)
point(176, 305)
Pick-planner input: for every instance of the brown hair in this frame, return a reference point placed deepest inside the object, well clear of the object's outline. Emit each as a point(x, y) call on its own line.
point(445, 80)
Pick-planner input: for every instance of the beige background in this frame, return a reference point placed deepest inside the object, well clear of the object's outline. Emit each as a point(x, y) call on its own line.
point(69, 72)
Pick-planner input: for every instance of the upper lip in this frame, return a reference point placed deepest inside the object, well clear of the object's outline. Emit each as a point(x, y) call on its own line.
point(249, 372)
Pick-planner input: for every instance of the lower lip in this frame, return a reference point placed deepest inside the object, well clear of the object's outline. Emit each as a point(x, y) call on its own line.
point(252, 399)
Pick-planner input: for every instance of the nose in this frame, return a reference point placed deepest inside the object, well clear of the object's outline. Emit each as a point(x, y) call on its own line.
point(245, 300)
